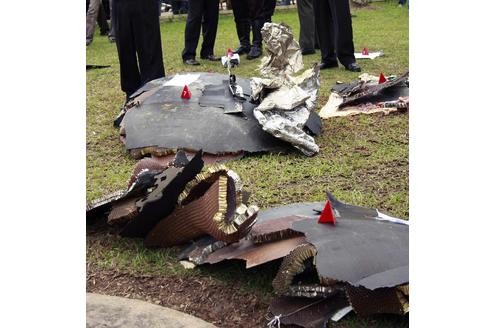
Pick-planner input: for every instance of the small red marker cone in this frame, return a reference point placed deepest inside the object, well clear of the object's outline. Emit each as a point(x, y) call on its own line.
point(327, 214)
point(186, 93)
point(230, 53)
point(365, 52)
point(382, 79)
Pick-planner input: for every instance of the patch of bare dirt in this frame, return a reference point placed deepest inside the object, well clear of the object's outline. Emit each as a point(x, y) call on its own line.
point(222, 304)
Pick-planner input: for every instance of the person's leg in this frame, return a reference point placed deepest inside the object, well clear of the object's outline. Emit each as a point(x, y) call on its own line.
point(268, 10)
point(102, 20)
point(257, 21)
point(210, 17)
point(325, 28)
point(91, 16)
point(111, 34)
point(130, 79)
point(146, 27)
point(193, 29)
point(341, 14)
point(307, 26)
point(242, 25)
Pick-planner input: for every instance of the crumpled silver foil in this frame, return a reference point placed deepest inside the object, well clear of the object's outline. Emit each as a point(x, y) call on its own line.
point(285, 100)
point(284, 54)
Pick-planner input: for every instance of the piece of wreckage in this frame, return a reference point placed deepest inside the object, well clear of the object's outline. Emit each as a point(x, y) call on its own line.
point(360, 263)
point(286, 102)
point(173, 204)
point(367, 95)
point(220, 116)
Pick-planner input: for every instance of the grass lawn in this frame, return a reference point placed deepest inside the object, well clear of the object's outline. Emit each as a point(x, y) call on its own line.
point(363, 159)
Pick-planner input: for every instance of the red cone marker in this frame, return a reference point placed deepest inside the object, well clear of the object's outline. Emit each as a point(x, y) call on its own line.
point(327, 214)
point(382, 79)
point(365, 52)
point(186, 93)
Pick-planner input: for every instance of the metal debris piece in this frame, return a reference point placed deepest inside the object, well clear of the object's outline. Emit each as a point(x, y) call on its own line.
point(163, 123)
point(101, 205)
point(162, 200)
point(298, 260)
point(285, 101)
point(199, 250)
point(283, 52)
point(209, 204)
point(311, 291)
point(284, 98)
point(123, 210)
point(255, 254)
point(381, 300)
point(366, 96)
point(307, 312)
point(274, 230)
point(359, 250)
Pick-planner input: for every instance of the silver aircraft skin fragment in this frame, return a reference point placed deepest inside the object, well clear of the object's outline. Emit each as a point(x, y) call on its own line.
point(285, 100)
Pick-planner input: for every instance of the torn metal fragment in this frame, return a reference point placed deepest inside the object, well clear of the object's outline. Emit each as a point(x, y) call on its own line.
point(284, 98)
point(273, 230)
point(381, 300)
point(199, 250)
point(208, 205)
point(161, 201)
point(359, 249)
point(307, 312)
point(298, 260)
point(255, 254)
point(123, 210)
point(366, 96)
point(102, 205)
point(311, 291)
point(162, 123)
point(283, 126)
point(283, 52)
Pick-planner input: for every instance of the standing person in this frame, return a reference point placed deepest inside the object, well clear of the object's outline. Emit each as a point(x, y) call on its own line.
point(137, 33)
point(201, 13)
point(268, 10)
point(91, 17)
point(248, 14)
point(334, 27)
point(307, 31)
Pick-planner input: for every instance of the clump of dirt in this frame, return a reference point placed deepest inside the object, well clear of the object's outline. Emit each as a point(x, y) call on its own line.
point(222, 304)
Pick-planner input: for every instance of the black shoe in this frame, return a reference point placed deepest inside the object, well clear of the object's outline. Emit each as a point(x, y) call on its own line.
point(211, 58)
point(242, 50)
point(255, 52)
point(305, 52)
point(353, 67)
point(191, 61)
point(111, 39)
point(325, 65)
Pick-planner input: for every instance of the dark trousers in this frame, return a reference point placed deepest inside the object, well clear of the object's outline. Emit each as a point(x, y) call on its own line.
point(334, 26)
point(137, 33)
point(102, 20)
point(248, 14)
point(201, 13)
point(268, 10)
point(307, 31)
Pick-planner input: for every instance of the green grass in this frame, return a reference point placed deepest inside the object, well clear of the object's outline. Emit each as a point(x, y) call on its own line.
point(363, 159)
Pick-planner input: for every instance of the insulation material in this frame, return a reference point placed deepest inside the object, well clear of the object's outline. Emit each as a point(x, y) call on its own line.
point(213, 212)
point(367, 96)
point(161, 123)
point(284, 98)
